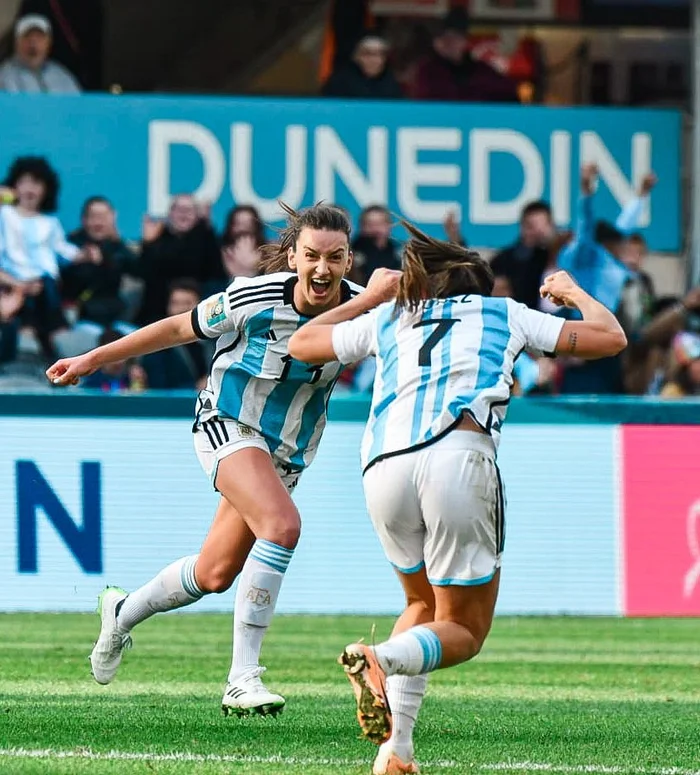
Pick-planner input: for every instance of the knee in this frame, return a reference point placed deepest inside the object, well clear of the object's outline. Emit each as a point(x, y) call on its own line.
point(214, 578)
point(283, 529)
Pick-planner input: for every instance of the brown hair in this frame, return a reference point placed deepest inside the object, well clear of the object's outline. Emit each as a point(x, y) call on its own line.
point(433, 269)
point(273, 256)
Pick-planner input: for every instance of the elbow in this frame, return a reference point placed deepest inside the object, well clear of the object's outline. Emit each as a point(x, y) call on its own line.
point(296, 348)
point(616, 343)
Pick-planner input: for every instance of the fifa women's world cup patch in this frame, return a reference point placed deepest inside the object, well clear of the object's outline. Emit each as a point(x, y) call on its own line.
point(216, 312)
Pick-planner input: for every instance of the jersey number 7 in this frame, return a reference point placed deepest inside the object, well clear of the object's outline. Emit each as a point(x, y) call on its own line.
point(442, 327)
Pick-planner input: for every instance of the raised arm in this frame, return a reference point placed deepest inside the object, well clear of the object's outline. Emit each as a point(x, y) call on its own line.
point(313, 342)
point(598, 335)
point(169, 332)
point(580, 252)
point(628, 219)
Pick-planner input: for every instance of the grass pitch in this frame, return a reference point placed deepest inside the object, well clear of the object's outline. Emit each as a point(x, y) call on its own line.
point(597, 696)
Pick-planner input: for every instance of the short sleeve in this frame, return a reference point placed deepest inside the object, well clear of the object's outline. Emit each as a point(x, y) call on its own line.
point(355, 339)
point(540, 331)
point(216, 315)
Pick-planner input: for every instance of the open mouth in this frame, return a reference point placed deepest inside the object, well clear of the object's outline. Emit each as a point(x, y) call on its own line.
point(320, 287)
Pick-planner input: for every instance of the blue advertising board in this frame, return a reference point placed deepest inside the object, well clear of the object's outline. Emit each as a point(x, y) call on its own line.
point(482, 162)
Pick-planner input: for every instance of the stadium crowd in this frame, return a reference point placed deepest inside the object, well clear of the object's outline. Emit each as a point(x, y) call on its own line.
point(61, 295)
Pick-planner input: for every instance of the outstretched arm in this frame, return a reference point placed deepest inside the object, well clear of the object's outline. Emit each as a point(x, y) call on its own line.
point(169, 332)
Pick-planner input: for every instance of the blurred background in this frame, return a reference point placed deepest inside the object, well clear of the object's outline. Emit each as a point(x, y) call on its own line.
point(143, 150)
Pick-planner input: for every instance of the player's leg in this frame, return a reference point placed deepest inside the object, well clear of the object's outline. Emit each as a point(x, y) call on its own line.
point(406, 692)
point(249, 479)
point(178, 585)
point(392, 502)
point(463, 507)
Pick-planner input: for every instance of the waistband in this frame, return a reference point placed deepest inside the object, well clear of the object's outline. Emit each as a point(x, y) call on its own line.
point(467, 440)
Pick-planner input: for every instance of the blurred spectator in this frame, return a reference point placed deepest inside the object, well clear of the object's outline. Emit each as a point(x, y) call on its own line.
point(374, 248)
point(595, 259)
point(241, 258)
point(523, 264)
point(118, 376)
point(453, 230)
point(451, 74)
point(184, 367)
point(78, 35)
point(244, 220)
point(184, 246)
point(31, 70)
point(95, 287)
point(685, 380)
point(32, 244)
point(367, 75)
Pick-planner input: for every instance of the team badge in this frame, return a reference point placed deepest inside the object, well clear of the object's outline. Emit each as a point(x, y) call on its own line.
point(216, 311)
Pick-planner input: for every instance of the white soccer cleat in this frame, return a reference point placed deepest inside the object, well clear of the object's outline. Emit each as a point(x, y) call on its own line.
point(247, 695)
point(388, 763)
point(107, 653)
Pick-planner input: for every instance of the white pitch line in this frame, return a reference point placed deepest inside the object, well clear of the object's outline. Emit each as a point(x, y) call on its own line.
point(527, 766)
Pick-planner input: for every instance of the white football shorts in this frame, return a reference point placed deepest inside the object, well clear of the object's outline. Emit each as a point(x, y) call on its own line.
point(218, 438)
point(441, 507)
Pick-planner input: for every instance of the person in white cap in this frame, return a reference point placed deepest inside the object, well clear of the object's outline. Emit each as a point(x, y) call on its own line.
point(30, 70)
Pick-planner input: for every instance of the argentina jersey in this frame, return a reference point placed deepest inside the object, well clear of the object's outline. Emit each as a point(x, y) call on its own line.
point(454, 356)
point(253, 379)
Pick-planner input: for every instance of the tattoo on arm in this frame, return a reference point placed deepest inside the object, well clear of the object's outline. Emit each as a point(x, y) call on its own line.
point(573, 339)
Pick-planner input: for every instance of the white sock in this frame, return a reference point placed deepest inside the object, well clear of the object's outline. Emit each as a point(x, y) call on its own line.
point(413, 652)
point(406, 694)
point(256, 597)
point(174, 587)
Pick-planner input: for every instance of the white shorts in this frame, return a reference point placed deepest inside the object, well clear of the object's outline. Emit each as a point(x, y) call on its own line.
point(441, 507)
point(218, 438)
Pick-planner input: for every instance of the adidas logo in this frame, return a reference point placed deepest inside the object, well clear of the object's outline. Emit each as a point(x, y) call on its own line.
point(271, 336)
point(206, 404)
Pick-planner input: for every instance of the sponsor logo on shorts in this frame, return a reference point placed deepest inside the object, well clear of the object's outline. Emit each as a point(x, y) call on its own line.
point(216, 312)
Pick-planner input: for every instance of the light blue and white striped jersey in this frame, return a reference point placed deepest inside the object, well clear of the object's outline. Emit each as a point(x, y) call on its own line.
point(32, 246)
point(253, 378)
point(454, 356)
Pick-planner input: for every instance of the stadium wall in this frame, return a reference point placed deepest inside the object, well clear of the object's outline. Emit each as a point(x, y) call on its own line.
point(422, 160)
point(603, 506)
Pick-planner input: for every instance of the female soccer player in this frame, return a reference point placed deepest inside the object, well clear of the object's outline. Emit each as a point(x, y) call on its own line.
point(258, 425)
point(445, 352)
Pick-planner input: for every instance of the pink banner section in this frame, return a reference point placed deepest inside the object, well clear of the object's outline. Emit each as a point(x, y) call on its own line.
point(661, 518)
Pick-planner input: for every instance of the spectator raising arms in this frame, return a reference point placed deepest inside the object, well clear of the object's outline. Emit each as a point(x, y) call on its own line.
point(367, 75)
point(31, 70)
point(451, 74)
point(184, 246)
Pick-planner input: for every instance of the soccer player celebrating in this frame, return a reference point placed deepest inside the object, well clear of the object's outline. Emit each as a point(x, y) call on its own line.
point(258, 425)
point(445, 352)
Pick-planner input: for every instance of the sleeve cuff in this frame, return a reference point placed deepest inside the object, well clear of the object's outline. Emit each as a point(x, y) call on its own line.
point(195, 325)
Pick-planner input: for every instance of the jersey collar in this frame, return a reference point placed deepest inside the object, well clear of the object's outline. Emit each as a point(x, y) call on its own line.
point(345, 294)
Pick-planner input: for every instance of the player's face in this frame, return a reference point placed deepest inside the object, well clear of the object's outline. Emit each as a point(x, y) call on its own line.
point(321, 260)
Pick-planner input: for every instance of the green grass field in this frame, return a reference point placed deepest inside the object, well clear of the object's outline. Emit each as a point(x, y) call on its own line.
point(599, 696)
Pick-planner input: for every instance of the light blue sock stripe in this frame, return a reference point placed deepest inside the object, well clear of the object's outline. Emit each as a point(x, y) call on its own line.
point(270, 560)
point(261, 543)
point(270, 563)
point(188, 579)
point(432, 648)
point(271, 555)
